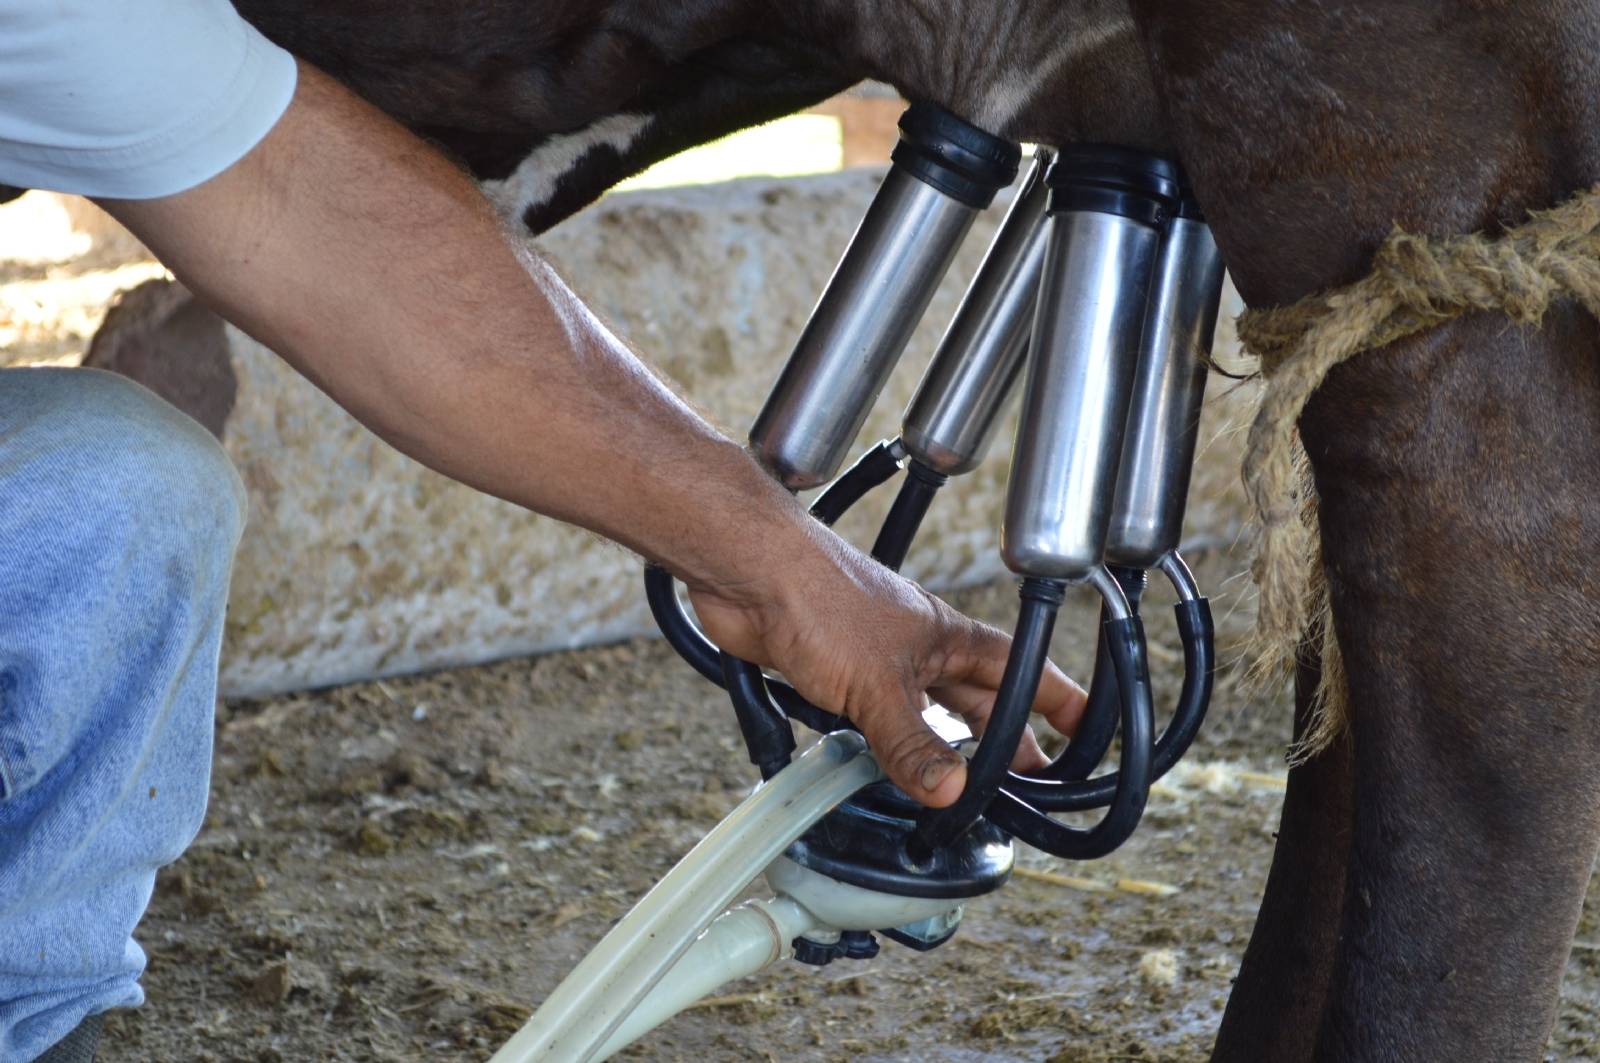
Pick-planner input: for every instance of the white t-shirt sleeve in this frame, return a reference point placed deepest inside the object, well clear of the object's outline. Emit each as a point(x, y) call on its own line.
point(132, 99)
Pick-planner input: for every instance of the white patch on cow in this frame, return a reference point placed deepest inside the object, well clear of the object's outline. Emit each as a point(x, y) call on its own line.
point(1020, 87)
point(537, 177)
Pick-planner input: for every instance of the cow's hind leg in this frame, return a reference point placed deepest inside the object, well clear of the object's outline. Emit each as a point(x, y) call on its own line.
point(1459, 477)
point(1276, 1005)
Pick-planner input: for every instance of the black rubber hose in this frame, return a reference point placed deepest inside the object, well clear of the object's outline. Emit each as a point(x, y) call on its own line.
point(765, 729)
point(661, 591)
point(1199, 672)
point(798, 708)
point(1010, 813)
point(1098, 725)
point(874, 467)
point(905, 516)
point(1198, 633)
point(987, 770)
point(704, 657)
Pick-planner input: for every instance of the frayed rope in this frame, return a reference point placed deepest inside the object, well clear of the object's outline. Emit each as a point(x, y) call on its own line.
point(1416, 282)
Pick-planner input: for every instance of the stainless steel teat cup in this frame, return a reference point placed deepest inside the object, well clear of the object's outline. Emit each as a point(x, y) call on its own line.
point(945, 171)
point(1108, 206)
point(1170, 385)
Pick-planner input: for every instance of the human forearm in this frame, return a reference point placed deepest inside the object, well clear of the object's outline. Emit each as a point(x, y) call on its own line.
point(379, 271)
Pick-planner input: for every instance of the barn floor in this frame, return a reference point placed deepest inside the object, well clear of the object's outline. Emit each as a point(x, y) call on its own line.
point(397, 871)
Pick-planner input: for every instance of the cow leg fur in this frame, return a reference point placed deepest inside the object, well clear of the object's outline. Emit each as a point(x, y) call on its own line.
point(1277, 1002)
point(1459, 478)
point(1432, 864)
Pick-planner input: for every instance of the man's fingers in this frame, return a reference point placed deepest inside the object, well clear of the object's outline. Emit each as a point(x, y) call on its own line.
point(942, 776)
point(961, 666)
point(967, 700)
point(972, 677)
point(981, 664)
point(1030, 758)
point(917, 760)
point(1060, 700)
point(979, 653)
point(974, 704)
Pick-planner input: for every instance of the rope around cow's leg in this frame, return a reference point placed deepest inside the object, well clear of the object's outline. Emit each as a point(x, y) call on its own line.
point(1416, 282)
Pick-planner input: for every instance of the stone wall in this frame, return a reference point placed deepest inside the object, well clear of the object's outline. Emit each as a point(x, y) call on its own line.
point(358, 562)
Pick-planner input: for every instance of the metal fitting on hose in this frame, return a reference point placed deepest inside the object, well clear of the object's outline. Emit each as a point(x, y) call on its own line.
point(1097, 727)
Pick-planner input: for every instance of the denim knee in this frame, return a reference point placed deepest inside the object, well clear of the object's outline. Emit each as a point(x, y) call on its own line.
point(119, 513)
point(120, 516)
point(96, 430)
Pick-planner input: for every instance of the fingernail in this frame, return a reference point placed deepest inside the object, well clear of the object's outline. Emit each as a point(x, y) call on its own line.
point(937, 770)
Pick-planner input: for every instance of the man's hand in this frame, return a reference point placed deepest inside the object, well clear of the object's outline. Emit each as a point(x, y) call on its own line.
point(377, 269)
point(855, 638)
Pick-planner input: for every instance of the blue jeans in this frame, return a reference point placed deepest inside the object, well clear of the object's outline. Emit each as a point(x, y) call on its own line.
point(118, 521)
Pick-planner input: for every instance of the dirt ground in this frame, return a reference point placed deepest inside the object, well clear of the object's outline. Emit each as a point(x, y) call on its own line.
point(399, 871)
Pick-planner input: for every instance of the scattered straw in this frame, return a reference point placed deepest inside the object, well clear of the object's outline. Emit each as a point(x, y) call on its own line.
point(1090, 885)
point(1149, 889)
point(1072, 882)
point(1159, 968)
point(733, 1001)
point(1260, 778)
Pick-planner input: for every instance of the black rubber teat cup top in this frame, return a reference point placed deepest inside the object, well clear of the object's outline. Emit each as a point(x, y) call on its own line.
point(954, 156)
point(1114, 180)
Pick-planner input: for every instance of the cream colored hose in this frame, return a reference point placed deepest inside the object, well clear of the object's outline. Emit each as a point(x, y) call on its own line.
point(579, 1018)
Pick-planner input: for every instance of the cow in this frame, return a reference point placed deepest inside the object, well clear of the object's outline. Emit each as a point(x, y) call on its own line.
point(1424, 893)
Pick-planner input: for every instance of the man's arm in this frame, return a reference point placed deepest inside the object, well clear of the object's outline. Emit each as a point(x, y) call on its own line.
point(378, 270)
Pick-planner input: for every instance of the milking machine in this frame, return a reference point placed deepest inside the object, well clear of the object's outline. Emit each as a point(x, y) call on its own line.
point(1101, 288)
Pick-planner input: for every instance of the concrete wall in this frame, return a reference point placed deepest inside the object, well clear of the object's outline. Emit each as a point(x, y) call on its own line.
point(357, 562)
